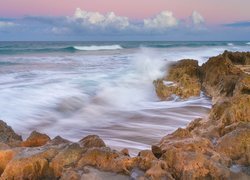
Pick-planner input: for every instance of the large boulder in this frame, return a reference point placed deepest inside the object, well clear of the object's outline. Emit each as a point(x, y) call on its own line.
point(184, 76)
point(30, 166)
point(236, 145)
point(219, 77)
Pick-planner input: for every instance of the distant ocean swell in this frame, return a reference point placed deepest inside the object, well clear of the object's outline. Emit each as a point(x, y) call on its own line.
point(46, 47)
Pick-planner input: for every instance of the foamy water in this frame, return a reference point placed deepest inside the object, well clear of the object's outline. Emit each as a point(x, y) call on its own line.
point(109, 93)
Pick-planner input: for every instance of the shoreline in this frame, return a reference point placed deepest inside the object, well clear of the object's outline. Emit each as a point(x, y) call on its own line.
point(207, 148)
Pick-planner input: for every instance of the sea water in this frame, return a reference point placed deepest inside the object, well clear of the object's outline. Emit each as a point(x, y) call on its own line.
point(74, 89)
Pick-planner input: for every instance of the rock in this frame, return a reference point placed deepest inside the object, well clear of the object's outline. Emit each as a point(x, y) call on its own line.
point(185, 75)
point(7, 135)
point(146, 159)
point(5, 157)
point(67, 157)
point(219, 77)
point(106, 159)
point(4, 146)
point(125, 152)
point(236, 145)
point(92, 141)
point(58, 140)
point(36, 139)
point(32, 167)
point(238, 58)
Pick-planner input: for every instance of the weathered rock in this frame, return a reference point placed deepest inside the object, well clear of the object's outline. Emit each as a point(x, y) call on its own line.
point(58, 140)
point(5, 157)
point(69, 156)
point(185, 77)
point(238, 58)
point(7, 135)
point(108, 160)
point(146, 159)
point(36, 139)
point(33, 167)
point(92, 141)
point(236, 145)
point(219, 77)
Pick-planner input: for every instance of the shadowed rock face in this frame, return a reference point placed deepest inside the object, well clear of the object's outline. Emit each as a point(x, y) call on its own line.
point(7, 135)
point(206, 149)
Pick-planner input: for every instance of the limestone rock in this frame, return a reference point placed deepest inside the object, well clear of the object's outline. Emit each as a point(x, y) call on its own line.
point(36, 139)
point(7, 135)
point(92, 141)
point(185, 77)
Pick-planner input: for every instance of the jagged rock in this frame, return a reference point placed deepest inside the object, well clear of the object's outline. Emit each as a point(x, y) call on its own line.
point(219, 77)
point(32, 167)
point(92, 141)
point(7, 135)
point(58, 140)
point(36, 139)
point(236, 145)
point(108, 160)
point(69, 156)
point(238, 58)
point(146, 159)
point(185, 77)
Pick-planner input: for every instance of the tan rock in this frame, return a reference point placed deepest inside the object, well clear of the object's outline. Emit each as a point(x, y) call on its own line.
point(92, 141)
point(5, 157)
point(36, 139)
point(236, 145)
point(67, 157)
point(185, 76)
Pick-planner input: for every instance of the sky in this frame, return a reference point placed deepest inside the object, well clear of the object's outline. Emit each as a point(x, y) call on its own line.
point(125, 20)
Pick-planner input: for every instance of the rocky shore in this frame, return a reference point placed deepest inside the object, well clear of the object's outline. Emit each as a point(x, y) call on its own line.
point(216, 147)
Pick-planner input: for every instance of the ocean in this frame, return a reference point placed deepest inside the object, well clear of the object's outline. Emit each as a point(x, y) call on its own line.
point(74, 89)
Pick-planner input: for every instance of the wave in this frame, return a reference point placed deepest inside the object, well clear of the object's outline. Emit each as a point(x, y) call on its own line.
point(248, 43)
point(230, 44)
point(97, 48)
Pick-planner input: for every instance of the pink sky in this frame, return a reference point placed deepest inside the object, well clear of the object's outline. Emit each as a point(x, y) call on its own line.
point(214, 11)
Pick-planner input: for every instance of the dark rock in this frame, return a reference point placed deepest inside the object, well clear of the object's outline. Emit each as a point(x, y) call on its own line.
point(7, 135)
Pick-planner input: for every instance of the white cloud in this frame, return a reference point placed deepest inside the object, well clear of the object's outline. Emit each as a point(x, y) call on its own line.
point(101, 20)
point(197, 18)
point(163, 20)
point(6, 24)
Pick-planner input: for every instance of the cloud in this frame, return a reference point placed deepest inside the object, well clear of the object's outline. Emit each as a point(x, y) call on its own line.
point(163, 20)
point(197, 18)
point(238, 24)
point(4, 24)
point(96, 19)
point(93, 25)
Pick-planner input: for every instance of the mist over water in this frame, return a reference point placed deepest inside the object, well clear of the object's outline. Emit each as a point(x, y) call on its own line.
point(105, 90)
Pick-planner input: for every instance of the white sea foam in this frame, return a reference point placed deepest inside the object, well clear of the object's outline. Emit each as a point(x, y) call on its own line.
point(97, 48)
point(248, 43)
point(230, 44)
point(106, 94)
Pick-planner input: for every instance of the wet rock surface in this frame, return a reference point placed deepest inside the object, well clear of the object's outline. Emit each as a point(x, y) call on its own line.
point(216, 147)
point(185, 77)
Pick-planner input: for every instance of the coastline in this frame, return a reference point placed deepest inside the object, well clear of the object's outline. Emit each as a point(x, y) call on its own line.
point(211, 148)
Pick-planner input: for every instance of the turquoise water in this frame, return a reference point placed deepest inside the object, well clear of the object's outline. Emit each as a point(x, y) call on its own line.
point(71, 47)
point(74, 89)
